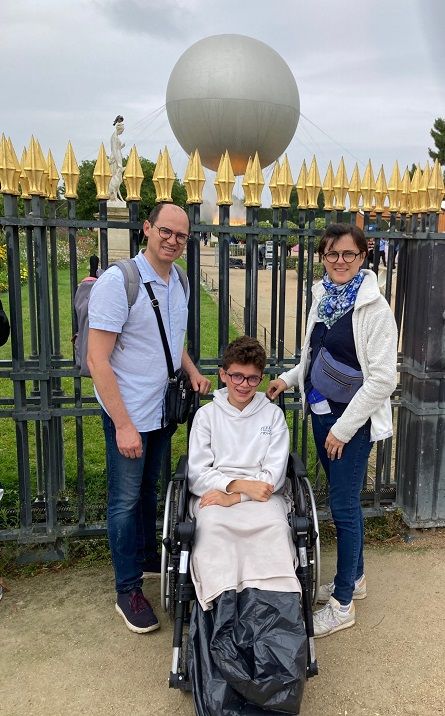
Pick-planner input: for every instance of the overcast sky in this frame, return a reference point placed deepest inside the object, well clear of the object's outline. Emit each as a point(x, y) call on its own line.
point(370, 73)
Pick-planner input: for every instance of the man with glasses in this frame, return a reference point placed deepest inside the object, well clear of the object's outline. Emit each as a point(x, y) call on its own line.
point(127, 363)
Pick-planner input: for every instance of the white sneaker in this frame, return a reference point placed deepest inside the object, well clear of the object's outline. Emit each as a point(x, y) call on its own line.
point(331, 618)
point(325, 591)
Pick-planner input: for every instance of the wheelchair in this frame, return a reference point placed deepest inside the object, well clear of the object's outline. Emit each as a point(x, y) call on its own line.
point(177, 589)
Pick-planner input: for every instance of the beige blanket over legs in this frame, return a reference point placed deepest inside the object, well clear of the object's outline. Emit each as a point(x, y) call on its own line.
point(246, 545)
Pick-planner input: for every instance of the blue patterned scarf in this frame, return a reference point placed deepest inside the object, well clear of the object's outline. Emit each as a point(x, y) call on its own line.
point(338, 299)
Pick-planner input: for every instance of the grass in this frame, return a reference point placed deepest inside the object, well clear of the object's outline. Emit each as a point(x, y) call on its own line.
point(93, 443)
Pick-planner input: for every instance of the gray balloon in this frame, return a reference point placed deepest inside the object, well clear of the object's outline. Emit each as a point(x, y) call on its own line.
point(232, 92)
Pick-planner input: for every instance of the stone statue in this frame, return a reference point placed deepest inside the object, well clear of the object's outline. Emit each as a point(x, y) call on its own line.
point(116, 167)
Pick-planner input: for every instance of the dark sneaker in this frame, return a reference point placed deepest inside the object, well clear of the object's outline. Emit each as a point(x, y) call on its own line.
point(136, 611)
point(151, 565)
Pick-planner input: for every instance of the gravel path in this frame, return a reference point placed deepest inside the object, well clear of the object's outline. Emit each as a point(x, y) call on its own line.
point(65, 651)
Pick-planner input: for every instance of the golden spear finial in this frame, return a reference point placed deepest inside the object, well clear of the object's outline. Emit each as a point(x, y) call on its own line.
point(256, 182)
point(328, 188)
point(341, 185)
point(225, 181)
point(70, 172)
point(163, 177)
point(414, 192)
point(102, 175)
point(354, 190)
point(246, 184)
point(381, 191)
point(435, 188)
point(273, 186)
point(133, 176)
point(42, 160)
point(405, 193)
point(395, 189)
point(194, 179)
point(53, 177)
point(313, 184)
point(301, 187)
point(285, 183)
point(368, 187)
point(9, 167)
point(423, 189)
point(35, 169)
point(24, 181)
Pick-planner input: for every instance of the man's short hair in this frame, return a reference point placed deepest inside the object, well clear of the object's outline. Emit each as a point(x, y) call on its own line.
point(154, 213)
point(244, 350)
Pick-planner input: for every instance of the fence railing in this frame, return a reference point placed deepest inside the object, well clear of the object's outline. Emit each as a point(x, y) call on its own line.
point(48, 413)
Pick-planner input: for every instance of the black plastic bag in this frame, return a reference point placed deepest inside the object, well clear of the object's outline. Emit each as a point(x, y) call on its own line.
point(248, 655)
point(4, 326)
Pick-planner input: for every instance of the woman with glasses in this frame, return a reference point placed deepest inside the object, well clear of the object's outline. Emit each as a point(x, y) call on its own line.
point(346, 375)
point(243, 557)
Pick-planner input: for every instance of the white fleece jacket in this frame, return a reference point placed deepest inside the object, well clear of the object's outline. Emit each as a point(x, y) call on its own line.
point(375, 338)
point(229, 444)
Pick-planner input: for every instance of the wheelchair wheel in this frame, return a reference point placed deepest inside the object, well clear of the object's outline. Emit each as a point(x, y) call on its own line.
point(168, 568)
point(314, 539)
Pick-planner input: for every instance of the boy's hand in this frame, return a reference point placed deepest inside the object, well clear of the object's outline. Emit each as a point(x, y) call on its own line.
point(216, 497)
point(257, 490)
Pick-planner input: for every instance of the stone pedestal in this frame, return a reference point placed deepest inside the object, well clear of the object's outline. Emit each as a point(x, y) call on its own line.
point(118, 239)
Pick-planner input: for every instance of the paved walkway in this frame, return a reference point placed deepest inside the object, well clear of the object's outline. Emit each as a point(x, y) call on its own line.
point(65, 651)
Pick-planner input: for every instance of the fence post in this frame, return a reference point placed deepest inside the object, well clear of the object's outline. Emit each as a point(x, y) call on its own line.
point(421, 428)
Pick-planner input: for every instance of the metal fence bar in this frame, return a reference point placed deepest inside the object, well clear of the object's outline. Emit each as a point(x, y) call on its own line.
point(47, 406)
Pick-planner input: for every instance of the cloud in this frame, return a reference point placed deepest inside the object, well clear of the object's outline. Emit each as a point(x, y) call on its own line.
point(158, 20)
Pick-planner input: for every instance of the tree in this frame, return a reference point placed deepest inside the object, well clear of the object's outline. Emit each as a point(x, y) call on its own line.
point(438, 134)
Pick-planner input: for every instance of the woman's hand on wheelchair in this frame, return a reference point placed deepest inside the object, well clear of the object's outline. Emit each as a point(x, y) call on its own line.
point(216, 497)
point(275, 387)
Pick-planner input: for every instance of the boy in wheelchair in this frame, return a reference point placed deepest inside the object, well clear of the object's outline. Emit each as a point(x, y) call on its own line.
point(247, 639)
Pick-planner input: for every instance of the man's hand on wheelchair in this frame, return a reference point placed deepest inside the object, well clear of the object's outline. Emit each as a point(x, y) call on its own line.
point(216, 497)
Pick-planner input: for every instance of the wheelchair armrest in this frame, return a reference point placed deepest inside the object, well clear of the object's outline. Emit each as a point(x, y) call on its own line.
point(296, 466)
point(182, 469)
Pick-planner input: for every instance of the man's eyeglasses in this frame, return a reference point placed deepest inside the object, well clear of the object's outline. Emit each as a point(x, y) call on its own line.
point(348, 256)
point(239, 378)
point(166, 233)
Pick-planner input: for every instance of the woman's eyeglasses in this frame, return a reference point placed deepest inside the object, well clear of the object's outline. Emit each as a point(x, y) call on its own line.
point(348, 256)
point(239, 378)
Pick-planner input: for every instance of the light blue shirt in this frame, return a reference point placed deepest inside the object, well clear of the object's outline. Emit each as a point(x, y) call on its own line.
point(138, 358)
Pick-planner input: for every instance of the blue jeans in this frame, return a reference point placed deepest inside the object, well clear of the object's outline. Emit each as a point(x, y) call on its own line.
point(132, 503)
point(345, 477)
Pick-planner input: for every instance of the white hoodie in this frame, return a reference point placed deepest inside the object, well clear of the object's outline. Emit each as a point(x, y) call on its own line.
point(375, 338)
point(228, 444)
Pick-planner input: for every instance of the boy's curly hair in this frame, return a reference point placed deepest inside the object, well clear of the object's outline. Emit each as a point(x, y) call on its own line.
point(244, 350)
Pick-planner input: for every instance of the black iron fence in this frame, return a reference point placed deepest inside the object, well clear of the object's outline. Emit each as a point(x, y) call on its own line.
point(42, 393)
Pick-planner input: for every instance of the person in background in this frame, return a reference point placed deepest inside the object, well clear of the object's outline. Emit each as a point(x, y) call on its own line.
point(352, 327)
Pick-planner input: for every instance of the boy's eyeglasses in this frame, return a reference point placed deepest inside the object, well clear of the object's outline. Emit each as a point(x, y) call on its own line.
point(239, 378)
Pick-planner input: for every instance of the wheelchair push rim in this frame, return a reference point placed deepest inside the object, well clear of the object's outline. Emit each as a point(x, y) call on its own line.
point(166, 532)
point(315, 551)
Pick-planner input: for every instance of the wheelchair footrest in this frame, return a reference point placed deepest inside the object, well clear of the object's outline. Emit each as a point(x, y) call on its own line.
point(179, 681)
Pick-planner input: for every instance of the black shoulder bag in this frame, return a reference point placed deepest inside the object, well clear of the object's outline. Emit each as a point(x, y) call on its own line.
point(179, 395)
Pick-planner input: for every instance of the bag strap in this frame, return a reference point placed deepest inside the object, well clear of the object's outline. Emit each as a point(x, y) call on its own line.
point(168, 356)
point(131, 279)
point(182, 277)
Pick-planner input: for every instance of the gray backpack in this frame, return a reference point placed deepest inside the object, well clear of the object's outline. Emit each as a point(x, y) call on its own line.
point(82, 296)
